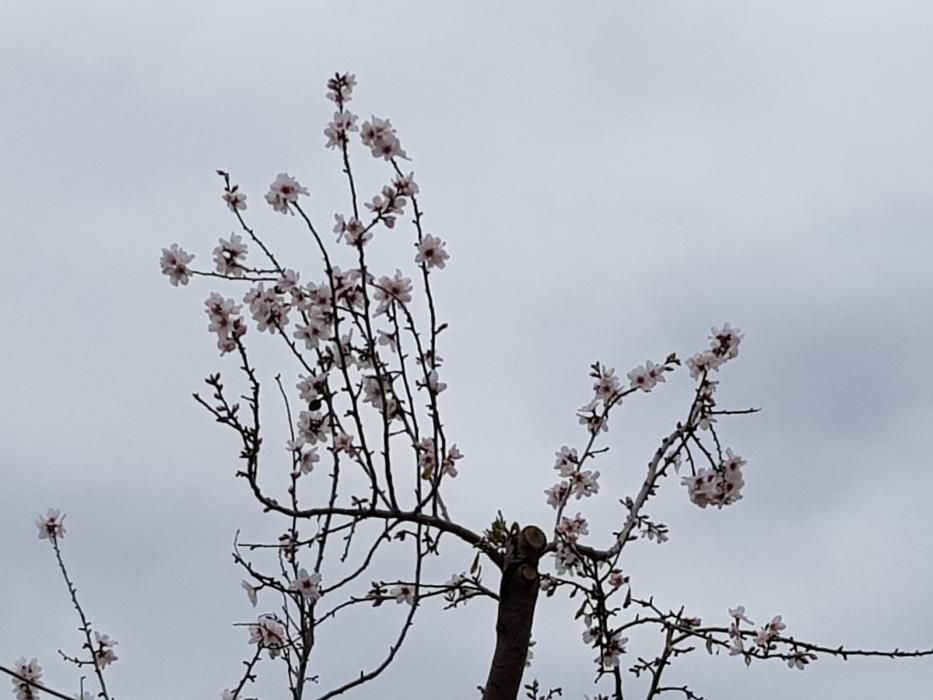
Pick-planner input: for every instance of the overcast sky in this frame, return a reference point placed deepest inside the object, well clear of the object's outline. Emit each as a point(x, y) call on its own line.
point(612, 179)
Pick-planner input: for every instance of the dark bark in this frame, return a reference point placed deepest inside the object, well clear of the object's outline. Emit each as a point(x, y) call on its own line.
point(518, 593)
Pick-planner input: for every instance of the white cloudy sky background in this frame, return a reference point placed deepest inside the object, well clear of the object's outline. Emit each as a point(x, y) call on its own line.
point(611, 180)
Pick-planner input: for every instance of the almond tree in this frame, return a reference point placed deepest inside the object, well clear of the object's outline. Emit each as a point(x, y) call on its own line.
point(367, 460)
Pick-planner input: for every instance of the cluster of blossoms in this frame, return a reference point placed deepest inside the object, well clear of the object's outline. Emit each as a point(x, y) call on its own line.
point(352, 231)
point(337, 131)
point(267, 307)
point(31, 671)
point(724, 346)
point(427, 459)
point(579, 482)
point(391, 202)
point(572, 528)
point(268, 633)
point(646, 376)
point(103, 650)
point(308, 585)
point(719, 486)
point(224, 321)
point(764, 638)
point(51, 525)
point(569, 532)
point(379, 135)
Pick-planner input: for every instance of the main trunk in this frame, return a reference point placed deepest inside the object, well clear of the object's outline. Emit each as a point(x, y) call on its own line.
point(518, 593)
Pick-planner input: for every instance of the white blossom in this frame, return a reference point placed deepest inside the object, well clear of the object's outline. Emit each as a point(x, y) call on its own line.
point(431, 252)
point(406, 185)
point(449, 466)
point(250, 591)
point(228, 256)
point(724, 342)
point(308, 585)
point(427, 459)
point(392, 289)
point(557, 494)
point(31, 671)
point(311, 388)
point(530, 654)
point(313, 427)
point(718, 487)
point(738, 613)
point(174, 264)
point(434, 384)
point(567, 460)
point(584, 483)
point(607, 384)
point(770, 631)
point(573, 528)
point(268, 633)
point(353, 231)
point(269, 310)
point(317, 329)
point(609, 657)
point(344, 443)
point(307, 457)
point(224, 321)
point(51, 525)
point(340, 87)
point(594, 421)
point(336, 131)
point(565, 559)
point(103, 650)
point(403, 593)
point(702, 362)
point(646, 376)
point(380, 136)
point(288, 282)
point(235, 199)
point(283, 192)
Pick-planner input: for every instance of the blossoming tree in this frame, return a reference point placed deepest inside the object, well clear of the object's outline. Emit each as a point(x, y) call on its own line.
point(368, 459)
